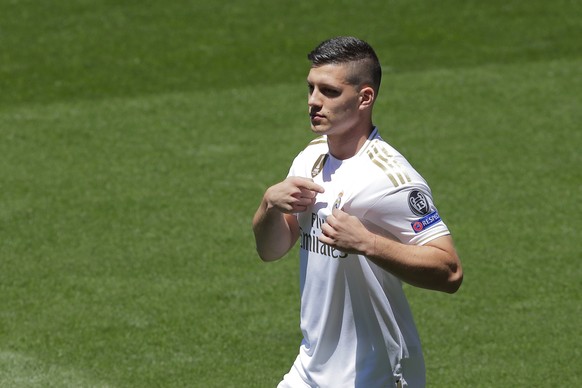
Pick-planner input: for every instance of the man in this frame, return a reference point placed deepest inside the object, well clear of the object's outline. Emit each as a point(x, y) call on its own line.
point(365, 221)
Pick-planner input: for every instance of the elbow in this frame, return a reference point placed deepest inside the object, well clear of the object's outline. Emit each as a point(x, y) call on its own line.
point(267, 256)
point(454, 282)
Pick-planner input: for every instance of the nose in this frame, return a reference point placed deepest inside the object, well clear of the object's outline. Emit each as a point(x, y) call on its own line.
point(314, 98)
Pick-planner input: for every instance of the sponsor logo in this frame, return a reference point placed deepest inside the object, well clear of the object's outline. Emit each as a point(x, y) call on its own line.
point(418, 203)
point(425, 222)
point(308, 239)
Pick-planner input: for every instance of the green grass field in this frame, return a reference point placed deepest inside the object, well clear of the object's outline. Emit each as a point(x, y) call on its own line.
point(137, 137)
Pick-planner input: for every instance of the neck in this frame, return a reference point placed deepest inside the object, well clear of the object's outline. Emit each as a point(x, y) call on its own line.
point(347, 145)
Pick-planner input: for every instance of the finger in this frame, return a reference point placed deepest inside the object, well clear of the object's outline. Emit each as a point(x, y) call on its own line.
point(304, 201)
point(329, 220)
point(301, 204)
point(299, 208)
point(328, 231)
point(308, 193)
point(338, 213)
point(309, 184)
point(326, 239)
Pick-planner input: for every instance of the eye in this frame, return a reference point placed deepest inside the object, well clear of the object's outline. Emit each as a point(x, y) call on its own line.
point(310, 88)
point(330, 92)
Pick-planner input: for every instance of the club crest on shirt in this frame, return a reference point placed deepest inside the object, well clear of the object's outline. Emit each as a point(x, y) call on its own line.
point(338, 201)
point(418, 203)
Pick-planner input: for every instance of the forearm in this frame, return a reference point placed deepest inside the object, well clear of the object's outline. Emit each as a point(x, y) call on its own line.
point(274, 232)
point(274, 224)
point(433, 266)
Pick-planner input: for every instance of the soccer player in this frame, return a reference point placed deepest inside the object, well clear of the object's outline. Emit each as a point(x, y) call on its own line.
point(365, 221)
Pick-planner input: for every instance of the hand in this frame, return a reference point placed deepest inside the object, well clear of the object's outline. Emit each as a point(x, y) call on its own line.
point(293, 195)
point(346, 233)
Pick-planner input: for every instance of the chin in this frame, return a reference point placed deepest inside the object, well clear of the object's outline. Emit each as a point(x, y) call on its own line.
point(319, 129)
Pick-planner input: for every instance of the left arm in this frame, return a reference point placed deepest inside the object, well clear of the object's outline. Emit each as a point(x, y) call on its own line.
point(434, 265)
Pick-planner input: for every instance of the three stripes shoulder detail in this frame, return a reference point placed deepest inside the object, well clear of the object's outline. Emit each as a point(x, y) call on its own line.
point(317, 140)
point(393, 169)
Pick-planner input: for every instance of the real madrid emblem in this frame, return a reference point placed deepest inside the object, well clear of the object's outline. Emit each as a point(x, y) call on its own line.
point(338, 201)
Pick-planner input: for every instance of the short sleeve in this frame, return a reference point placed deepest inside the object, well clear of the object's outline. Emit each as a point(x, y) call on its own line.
point(409, 215)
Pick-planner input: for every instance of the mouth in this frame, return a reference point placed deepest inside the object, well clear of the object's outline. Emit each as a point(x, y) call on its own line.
point(314, 116)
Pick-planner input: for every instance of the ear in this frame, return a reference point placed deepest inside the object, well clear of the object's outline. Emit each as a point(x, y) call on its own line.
point(367, 97)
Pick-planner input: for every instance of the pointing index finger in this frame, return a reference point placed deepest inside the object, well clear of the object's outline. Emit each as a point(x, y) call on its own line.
point(309, 184)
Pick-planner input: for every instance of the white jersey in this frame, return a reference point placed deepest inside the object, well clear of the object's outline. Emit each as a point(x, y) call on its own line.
point(357, 325)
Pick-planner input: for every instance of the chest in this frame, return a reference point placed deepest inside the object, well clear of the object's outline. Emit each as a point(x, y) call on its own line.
point(346, 185)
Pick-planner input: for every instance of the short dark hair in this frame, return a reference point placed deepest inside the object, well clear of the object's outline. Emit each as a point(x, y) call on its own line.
point(348, 49)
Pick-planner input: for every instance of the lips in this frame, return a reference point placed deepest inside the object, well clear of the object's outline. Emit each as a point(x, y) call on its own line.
point(316, 120)
point(316, 116)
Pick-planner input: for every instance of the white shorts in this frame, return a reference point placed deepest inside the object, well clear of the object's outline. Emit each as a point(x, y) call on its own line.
point(293, 379)
point(413, 376)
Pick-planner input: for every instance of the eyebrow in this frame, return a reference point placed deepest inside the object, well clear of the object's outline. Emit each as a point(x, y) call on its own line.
point(326, 84)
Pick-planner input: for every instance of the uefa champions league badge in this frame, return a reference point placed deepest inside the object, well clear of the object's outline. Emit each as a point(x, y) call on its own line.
point(426, 222)
point(338, 201)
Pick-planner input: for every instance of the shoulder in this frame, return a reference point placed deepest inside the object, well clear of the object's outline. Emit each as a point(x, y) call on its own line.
point(312, 156)
point(390, 164)
point(319, 144)
point(313, 149)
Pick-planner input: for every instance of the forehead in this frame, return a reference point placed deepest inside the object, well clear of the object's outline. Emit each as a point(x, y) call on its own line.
point(332, 74)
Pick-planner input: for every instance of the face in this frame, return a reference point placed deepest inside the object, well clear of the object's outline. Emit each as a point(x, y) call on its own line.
point(334, 104)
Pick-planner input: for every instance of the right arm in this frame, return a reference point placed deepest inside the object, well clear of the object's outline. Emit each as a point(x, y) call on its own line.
point(275, 227)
